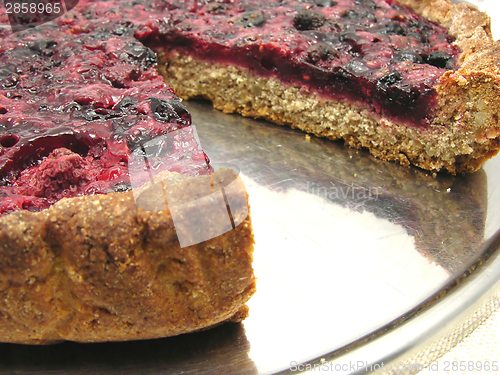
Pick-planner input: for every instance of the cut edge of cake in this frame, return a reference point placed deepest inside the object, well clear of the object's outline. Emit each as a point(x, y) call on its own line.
point(464, 130)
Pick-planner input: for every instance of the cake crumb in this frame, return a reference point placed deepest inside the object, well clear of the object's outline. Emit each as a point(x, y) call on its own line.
point(308, 138)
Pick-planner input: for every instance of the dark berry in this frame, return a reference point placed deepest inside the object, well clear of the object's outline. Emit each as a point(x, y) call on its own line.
point(252, 19)
point(404, 96)
point(125, 104)
point(388, 80)
point(142, 53)
point(43, 47)
point(408, 56)
point(438, 59)
point(320, 52)
point(326, 3)
point(169, 111)
point(393, 28)
point(397, 92)
point(308, 20)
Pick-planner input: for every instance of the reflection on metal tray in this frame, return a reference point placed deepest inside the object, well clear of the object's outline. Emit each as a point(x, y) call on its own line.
point(346, 245)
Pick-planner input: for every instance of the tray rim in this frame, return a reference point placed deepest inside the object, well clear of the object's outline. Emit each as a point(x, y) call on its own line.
point(414, 333)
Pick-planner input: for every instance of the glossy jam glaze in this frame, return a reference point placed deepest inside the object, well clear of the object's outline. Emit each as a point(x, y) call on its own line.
point(74, 106)
point(80, 94)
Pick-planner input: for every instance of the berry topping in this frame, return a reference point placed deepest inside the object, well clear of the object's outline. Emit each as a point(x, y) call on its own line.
point(169, 110)
point(73, 113)
point(252, 19)
point(342, 49)
point(142, 54)
point(389, 80)
point(410, 56)
point(320, 52)
point(60, 171)
point(325, 3)
point(308, 20)
point(43, 47)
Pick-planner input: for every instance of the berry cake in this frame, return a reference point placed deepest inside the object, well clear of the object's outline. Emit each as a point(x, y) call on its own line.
point(414, 81)
point(89, 253)
point(89, 250)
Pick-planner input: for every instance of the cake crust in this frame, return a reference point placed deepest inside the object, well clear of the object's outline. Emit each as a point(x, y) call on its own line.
point(103, 268)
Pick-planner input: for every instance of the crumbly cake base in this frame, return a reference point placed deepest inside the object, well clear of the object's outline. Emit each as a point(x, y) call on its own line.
point(450, 143)
point(100, 268)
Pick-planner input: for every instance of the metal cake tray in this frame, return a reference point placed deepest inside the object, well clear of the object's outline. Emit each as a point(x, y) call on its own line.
point(359, 262)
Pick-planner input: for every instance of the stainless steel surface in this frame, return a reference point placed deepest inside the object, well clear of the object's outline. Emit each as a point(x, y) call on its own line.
point(345, 246)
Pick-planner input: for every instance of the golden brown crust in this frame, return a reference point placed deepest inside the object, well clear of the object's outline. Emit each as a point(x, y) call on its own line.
point(100, 268)
point(469, 99)
point(460, 19)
